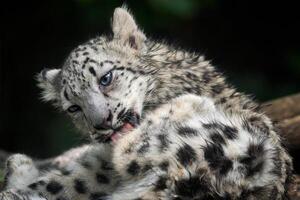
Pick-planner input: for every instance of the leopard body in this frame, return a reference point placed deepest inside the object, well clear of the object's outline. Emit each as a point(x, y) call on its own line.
point(164, 125)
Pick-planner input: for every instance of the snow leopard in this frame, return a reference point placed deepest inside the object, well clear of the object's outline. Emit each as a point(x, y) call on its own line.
point(164, 124)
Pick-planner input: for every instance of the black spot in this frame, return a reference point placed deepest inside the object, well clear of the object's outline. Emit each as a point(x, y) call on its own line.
point(109, 61)
point(230, 132)
point(33, 186)
point(93, 72)
point(131, 70)
point(161, 184)
point(133, 168)
point(98, 196)
point(120, 68)
point(61, 198)
point(217, 89)
point(209, 126)
point(80, 186)
point(223, 100)
point(86, 60)
point(102, 179)
point(254, 161)
point(274, 193)
point(110, 117)
point(206, 77)
point(164, 165)
point(65, 172)
point(147, 167)
point(106, 165)
point(54, 187)
point(164, 141)
point(41, 182)
point(86, 164)
point(75, 62)
point(216, 159)
point(225, 166)
point(85, 53)
point(192, 188)
point(144, 147)
point(258, 123)
point(142, 72)
point(187, 131)
point(217, 138)
point(186, 155)
point(66, 95)
point(93, 61)
point(247, 126)
point(121, 113)
point(191, 76)
point(253, 193)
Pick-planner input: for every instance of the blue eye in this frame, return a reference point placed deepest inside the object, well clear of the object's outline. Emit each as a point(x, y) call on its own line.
point(106, 79)
point(74, 108)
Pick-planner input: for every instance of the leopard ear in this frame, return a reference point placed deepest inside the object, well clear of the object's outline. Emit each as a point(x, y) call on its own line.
point(49, 80)
point(125, 29)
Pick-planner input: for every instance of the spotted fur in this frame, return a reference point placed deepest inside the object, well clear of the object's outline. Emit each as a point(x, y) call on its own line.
point(192, 136)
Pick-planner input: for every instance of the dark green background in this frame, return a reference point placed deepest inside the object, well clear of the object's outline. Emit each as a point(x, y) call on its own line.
point(256, 43)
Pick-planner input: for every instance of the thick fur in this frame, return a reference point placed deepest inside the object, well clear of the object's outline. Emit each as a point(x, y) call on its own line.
point(195, 137)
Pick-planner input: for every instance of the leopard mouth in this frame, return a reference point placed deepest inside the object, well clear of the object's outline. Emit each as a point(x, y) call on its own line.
point(130, 120)
point(125, 129)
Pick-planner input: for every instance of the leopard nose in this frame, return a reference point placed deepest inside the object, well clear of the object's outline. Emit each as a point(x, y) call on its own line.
point(106, 124)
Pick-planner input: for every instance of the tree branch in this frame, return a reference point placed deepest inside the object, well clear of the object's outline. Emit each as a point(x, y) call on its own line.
point(286, 111)
point(294, 188)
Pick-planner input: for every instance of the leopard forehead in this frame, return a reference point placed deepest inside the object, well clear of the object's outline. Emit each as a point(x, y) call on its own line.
point(94, 59)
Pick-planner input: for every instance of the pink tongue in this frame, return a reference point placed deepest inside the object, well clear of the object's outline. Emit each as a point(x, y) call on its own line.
point(125, 129)
point(115, 137)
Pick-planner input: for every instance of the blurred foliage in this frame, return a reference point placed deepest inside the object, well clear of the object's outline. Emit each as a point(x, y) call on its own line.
point(294, 62)
point(182, 8)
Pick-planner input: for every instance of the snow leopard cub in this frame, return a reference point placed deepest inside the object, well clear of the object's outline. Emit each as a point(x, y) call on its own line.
point(165, 125)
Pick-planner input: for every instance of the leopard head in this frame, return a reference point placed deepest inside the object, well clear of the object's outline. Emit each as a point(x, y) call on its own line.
point(104, 82)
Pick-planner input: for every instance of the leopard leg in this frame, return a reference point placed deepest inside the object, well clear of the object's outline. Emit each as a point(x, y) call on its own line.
point(20, 171)
point(90, 176)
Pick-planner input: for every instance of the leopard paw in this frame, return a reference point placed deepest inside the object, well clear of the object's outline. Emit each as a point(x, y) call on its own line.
point(20, 171)
point(19, 195)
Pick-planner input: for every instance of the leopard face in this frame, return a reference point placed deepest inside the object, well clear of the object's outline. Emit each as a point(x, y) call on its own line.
point(103, 83)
